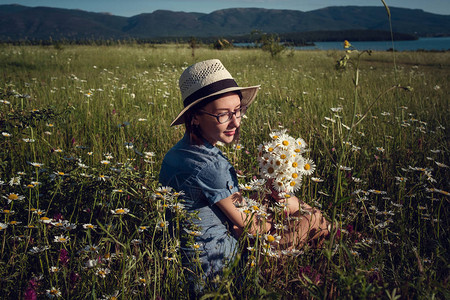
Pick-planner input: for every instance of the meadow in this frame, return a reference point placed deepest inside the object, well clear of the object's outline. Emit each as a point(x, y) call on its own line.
point(85, 128)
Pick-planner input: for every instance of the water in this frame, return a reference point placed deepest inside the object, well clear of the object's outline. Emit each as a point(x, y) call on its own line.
point(436, 43)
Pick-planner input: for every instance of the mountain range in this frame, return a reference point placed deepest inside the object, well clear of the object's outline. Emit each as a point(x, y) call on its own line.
point(19, 22)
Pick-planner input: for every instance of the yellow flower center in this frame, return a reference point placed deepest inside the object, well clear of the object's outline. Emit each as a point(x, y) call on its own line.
point(283, 156)
point(285, 143)
point(270, 149)
point(61, 173)
point(294, 164)
point(275, 137)
point(270, 170)
point(13, 197)
point(294, 175)
point(307, 167)
point(162, 224)
point(292, 183)
point(120, 211)
point(255, 207)
point(270, 238)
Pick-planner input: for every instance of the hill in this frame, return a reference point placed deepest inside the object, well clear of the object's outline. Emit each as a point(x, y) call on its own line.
point(43, 23)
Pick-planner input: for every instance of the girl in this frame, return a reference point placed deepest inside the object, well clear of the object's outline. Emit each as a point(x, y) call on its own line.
point(213, 107)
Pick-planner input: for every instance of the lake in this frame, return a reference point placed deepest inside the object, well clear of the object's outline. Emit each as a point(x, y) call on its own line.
point(435, 43)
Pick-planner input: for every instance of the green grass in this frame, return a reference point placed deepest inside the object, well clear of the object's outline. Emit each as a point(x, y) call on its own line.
point(84, 104)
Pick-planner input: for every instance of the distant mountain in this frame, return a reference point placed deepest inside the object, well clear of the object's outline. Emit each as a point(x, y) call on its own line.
point(43, 23)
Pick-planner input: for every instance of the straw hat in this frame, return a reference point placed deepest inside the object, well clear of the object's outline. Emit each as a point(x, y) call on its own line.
point(205, 79)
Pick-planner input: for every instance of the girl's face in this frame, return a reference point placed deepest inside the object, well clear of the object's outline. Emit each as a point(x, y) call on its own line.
point(210, 128)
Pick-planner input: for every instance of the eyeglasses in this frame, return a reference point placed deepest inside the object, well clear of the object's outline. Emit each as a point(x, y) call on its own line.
point(225, 117)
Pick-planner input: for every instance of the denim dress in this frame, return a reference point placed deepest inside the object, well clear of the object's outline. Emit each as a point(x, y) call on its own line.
point(205, 175)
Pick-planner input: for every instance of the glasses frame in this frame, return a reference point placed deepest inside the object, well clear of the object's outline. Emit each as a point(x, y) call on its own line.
point(242, 109)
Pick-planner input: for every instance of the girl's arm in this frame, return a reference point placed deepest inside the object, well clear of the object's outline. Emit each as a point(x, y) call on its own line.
point(240, 219)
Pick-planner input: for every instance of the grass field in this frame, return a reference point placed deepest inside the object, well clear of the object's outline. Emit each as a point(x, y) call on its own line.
point(85, 128)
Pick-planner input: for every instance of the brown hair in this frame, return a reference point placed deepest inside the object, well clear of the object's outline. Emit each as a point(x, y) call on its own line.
point(195, 135)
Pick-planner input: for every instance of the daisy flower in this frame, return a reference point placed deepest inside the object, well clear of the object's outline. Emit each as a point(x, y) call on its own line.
point(120, 211)
point(102, 272)
point(285, 141)
point(61, 239)
point(161, 225)
point(308, 167)
point(53, 293)
point(89, 226)
point(316, 179)
point(13, 197)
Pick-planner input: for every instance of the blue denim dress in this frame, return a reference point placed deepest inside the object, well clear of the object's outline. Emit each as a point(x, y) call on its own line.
point(205, 175)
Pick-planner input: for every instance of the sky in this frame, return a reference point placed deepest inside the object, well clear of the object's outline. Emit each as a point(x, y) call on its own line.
point(128, 8)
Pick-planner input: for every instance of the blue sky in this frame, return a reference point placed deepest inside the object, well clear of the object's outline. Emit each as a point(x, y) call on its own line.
point(129, 8)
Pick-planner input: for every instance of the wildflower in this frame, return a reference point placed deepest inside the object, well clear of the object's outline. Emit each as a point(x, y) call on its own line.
point(3, 226)
point(37, 211)
point(377, 192)
point(54, 269)
point(193, 232)
point(6, 134)
point(13, 197)
point(238, 147)
point(27, 140)
point(53, 293)
point(316, 179)
point(61, 239)
point(442, 165)
point(356, 179)
point(161, 225)
point(347, 44)
point(380, 149)
point(89, 226)
point(170, 258)
point(37, 165)
point(102, 272)
point(120, 211)
point(142, 281)
point(45, 220)
point(196, 246)
point(308, 167)
point(15, 181)
point(272, 238)
point(344, 168)
point(105, 162)
point(102, 177)
point(108, 156)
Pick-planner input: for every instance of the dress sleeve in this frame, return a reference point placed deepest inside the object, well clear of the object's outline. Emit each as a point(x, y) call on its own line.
point(217, 180)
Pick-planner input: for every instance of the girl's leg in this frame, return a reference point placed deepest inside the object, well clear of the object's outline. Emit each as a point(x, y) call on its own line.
point(306, 224)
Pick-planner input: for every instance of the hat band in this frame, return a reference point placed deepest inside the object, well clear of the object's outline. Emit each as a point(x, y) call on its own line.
point(209, 90)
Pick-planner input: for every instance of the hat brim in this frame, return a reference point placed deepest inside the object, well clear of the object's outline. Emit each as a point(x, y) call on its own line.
point(248, 95)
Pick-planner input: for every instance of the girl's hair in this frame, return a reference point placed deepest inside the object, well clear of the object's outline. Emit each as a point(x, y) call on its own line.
point(195, 135)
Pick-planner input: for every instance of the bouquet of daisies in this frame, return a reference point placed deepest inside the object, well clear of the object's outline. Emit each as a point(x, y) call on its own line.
point(281, 161)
